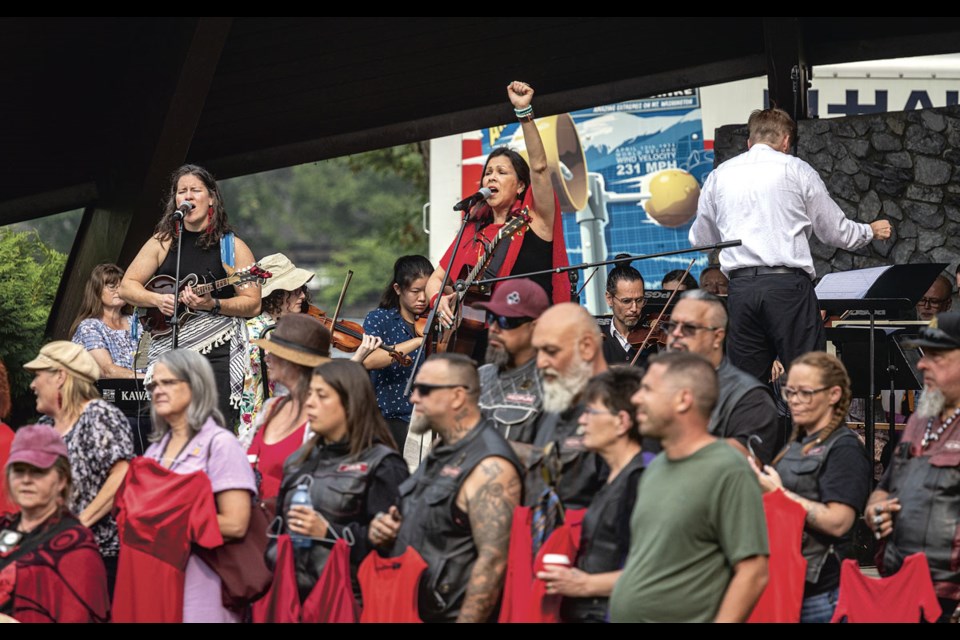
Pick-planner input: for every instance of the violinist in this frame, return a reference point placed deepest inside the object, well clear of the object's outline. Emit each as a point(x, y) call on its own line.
point(745, 407)
point(284, 293)
point(516, 186)
point(395, 321)
point(625, 298)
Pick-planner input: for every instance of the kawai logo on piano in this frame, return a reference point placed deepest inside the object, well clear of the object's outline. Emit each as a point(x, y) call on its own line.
point(135, 396)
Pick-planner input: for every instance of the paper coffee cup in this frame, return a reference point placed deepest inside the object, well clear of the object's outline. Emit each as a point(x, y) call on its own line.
point(557, 559)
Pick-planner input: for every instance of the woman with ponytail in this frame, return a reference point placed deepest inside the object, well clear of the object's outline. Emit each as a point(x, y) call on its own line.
point(825, 469)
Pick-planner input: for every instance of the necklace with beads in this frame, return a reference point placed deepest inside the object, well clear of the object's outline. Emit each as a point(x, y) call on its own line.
point(929, 435)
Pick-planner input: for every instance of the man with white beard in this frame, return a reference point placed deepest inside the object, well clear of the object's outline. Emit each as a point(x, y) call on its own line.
point(569, 353)
point(457, 509)
point(916, 507)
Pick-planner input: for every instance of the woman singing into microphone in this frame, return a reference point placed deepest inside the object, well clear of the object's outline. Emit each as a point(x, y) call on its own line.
point(516, 187)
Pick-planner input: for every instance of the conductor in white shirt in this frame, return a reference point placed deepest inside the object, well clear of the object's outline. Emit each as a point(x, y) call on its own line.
point(773, 201)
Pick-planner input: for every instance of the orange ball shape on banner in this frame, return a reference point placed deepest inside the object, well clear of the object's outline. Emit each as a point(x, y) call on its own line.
point(673, 197)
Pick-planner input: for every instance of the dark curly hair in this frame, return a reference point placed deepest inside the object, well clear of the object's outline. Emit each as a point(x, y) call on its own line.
point(166, 229)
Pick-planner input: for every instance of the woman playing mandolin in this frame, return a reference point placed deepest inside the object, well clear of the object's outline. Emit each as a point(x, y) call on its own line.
point(516, 187)
point(209, 249)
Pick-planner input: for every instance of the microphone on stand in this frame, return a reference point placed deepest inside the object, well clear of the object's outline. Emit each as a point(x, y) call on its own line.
point(466, 203)
point(183, 210)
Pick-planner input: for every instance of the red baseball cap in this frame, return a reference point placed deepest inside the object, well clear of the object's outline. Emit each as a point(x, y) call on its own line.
point(37, 445)
point(520, 298)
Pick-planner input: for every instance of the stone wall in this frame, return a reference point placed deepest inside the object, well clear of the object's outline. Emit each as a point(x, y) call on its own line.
point(902, 166)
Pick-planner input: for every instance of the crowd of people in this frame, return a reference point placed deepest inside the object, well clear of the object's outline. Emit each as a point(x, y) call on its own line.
point(577, 474)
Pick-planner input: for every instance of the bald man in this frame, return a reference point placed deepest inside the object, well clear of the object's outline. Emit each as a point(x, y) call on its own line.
point(569, 352)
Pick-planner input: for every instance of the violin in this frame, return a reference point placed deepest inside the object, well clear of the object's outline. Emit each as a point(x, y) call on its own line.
point(649, 331)
point(347, 336)
point(657, 324)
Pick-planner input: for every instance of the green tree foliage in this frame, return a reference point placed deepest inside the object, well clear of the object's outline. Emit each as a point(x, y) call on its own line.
point(359, 212)
point(29, 276)
point(57, 231)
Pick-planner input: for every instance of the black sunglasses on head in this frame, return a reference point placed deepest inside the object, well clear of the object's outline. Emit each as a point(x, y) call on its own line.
point(506, 323)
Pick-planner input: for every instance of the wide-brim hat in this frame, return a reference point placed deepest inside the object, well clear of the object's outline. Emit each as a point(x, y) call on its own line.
point(299, 338)
point(943, 332)
point(63, 354)
point(286, 276)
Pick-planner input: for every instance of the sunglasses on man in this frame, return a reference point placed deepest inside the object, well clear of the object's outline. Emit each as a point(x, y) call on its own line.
point(506, 323)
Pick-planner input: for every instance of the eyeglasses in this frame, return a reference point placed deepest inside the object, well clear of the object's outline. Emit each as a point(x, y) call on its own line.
point(162, 384)
point(590, 411)
point(506, 323)
point(687, 329)
point(424, 389)
point(931, 302)
point(113, 287)
point(803, 395)
point(629, 302)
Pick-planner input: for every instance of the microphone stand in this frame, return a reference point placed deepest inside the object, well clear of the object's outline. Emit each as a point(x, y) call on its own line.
point(622, 258)
point(431, 317)
point(175, 321)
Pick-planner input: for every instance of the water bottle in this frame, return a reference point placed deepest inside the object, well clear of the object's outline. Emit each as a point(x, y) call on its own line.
point(301, 496)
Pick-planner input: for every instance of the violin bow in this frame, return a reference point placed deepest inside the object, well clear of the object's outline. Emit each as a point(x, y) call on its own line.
point(656, 323)
point(343, 294)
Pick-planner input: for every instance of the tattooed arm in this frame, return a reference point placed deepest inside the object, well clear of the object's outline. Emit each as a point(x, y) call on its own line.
point(489, 496)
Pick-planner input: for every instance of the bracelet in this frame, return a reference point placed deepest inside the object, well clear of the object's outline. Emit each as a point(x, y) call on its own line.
point(525, 114)
point(216, 307)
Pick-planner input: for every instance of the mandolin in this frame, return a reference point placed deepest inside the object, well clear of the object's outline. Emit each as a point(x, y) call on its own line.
point(153, 320)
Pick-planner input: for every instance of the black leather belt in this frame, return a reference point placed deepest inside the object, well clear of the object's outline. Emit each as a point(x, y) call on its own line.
point(765, 271)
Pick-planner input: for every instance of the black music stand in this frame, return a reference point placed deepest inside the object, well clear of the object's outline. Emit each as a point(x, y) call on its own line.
point(880, 289)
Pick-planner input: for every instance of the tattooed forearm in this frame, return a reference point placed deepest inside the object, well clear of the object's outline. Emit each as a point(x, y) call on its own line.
point(491, 514)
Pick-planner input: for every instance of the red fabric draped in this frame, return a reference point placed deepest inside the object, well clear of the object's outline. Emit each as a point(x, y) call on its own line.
point(331, 599)
point(160, 514)
point(63, 580)
point(282, 602)
point(468, 253)
point(782, 599)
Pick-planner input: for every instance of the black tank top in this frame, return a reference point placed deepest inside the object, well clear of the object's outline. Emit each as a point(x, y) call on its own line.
point(203, 262)
point(536, 254)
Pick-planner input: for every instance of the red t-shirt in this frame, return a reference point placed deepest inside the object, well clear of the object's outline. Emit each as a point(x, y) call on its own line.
point(524, 598)
point(782, 600)
point(282, 602)
point(517, 591)
point(906, 596)
point(565, 540)
point(390, 587)
point(270, 459)
point(331, 599)
point(160, 514)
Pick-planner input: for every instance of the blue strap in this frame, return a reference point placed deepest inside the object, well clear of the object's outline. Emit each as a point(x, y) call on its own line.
point(226, 250)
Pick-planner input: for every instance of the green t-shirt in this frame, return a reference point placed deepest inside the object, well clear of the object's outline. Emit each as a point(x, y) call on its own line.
point(694, 520)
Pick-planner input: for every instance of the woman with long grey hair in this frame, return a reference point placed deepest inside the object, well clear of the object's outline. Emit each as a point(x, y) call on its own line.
point(188, 437)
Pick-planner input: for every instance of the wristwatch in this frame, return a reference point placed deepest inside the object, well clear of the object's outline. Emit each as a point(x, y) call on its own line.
point(216, 307)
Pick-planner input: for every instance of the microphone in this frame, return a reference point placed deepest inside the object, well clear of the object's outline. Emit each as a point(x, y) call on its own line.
point(183, 210)
point(466, 203)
